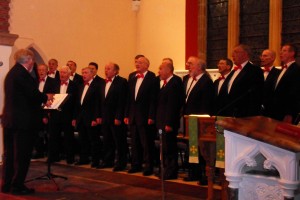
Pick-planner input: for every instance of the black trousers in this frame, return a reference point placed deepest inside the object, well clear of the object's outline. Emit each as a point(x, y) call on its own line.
point(90, 143)
point(114, 142)
point(18, 146)
point(142, 146)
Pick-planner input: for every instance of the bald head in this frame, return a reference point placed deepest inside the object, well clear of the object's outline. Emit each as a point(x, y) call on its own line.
point(267, 58)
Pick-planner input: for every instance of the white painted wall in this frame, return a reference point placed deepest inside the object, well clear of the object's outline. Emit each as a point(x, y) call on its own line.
point(5, 52)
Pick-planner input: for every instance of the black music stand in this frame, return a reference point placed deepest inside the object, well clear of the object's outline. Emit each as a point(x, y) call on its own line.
point(49, 175)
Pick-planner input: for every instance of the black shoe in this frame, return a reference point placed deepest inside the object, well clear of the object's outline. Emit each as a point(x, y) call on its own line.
point(95, 165)
point(5, 189)
point(70, 162)
point(80, 162)
point(23, 190)
point(203, 182)
point(189, 179)
point(134, 170)
point(118, 168)
point(170, 176)
point(105, 165)
point(38, 156)
point(148, 172)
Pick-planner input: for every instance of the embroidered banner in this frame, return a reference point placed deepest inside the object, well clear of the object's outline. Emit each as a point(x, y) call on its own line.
point(220, 145)
point(193, 139)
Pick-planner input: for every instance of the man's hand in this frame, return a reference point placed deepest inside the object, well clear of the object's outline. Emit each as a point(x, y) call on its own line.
point(150, 121)
point(45, 120)
point(99, 120)
point(168, 128)
point(74, 123)
point(94, 123)
point(126, 120)
point(117, 122)
point(50, 97)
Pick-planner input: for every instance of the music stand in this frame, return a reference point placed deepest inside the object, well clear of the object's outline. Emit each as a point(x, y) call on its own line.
point(59, 100)
point(160, 132)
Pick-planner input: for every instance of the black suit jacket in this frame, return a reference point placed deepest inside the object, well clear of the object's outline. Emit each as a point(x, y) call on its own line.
point(50, 85)
point(170, 101)
point(245, 96)
point(200, 100)
point(113, 105)
point(22, 102)
point(88, 111)
point(68, 106)
point(268, 92)
point(286, 96)
point(142, 108)
point(78, 79)
point(221, 98)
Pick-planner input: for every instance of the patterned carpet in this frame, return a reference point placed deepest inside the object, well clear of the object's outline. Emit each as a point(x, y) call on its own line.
point(85, 183)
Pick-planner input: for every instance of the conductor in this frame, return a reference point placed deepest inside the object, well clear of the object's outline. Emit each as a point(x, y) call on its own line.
point(22, 105)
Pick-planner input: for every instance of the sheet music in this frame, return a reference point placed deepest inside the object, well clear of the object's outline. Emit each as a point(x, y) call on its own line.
point(57, 101)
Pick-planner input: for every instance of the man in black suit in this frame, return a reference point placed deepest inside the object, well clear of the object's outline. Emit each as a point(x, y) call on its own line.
point(53, 72)
point(22, 106)
point(245, 87)
point(46, 85)
point(170, 100)
point(285, 104)
point(220, 87)
point(94, 67)
point(271, 74)
point(76, 78)
point(87, 118)
point(140, 115)
point(199, 93)
point(61, 120)
point(111, 116)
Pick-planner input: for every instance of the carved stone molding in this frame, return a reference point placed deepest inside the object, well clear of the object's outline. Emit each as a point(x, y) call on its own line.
point(8, 39)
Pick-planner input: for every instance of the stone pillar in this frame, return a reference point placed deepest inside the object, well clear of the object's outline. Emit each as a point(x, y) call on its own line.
point(275, 28)
point(233, 25)
point(7, 41)
point(202, 31)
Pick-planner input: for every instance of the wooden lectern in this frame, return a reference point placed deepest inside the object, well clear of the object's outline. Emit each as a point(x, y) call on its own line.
point(261, 158)
point(207, 146)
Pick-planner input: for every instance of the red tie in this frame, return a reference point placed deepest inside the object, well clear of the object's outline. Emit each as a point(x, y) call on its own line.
point(284, 67)
point(64, 83)
point(194, 78)
point(139, 75)
point(165, 83)
point(42, 80)
point(237, 67)
point(267, 69)
point(86, 83)
point(221, 77)
point(108, 80)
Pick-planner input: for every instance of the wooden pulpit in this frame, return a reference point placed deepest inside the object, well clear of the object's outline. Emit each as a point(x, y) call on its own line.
point(207, 145)
point(261, 158)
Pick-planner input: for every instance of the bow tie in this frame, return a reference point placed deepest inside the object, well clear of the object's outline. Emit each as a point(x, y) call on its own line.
point(284, 67)
point(237, 67)
point(49, 73)
point(42, 80)
point(165, 83)
point(266, 69)
point(222, 77)
point(139, 75)
point(108, 80)
point(86, 83)
point(64, 83)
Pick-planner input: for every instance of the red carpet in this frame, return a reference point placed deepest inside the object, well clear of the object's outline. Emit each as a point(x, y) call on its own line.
point(89, 184)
